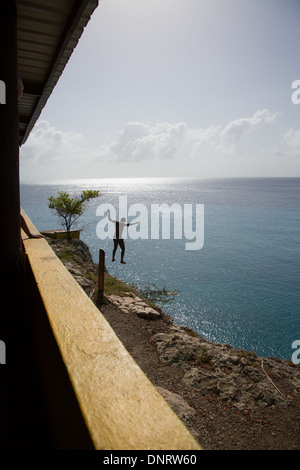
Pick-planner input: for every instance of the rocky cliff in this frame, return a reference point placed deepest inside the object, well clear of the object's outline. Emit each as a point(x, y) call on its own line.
point(256, 399)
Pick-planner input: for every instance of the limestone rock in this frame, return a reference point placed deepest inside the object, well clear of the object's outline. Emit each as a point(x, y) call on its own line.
point(180, 407)
point(131, 303)
point(177, 346)
point(76, 257)
point(231, 375)
point(148, 314)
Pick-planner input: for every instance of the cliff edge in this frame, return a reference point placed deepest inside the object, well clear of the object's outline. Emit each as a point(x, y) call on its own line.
point(229, 398)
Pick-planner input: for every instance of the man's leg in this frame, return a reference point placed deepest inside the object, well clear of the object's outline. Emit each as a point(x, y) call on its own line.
point(115, 249)
point(122, 246)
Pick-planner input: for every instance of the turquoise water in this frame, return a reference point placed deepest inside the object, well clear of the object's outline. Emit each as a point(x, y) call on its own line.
point(242, 287)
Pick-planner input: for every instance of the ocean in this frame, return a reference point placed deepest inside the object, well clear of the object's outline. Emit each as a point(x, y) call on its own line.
point(242, 287)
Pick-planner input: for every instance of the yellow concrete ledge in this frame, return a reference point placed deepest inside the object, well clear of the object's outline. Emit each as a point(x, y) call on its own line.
point(120, 406)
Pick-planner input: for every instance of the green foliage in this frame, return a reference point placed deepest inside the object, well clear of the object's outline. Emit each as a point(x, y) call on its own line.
point(203, 358)
point(70, 209)
point(115, 286)
point(154, 294)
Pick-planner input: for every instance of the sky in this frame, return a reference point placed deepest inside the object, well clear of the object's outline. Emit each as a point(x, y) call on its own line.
point(175, 88)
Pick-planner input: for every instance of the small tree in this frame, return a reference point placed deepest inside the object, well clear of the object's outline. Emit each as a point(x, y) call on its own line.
point(70, 209)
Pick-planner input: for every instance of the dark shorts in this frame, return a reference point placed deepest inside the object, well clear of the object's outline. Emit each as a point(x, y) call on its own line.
point(120, 242)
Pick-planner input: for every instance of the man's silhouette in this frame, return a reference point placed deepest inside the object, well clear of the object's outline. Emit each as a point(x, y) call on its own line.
point(118, 240)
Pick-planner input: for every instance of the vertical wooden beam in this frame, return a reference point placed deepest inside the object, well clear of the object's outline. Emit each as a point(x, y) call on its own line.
point(10, 236)
point(21, 404)
point(10, 239)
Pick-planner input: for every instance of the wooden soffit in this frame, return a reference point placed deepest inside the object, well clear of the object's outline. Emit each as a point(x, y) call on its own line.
point(48, 32)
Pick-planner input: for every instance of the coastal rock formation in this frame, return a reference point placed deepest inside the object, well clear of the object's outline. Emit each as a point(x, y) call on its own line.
point(131, 303)
point(228, 398)
point(76, 257)
point(180, 407)
point(235, 376)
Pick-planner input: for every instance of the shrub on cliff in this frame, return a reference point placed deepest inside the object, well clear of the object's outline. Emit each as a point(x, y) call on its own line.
point(70, 209)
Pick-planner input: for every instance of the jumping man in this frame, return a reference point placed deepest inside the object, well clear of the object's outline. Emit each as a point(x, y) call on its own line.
point(118, 240)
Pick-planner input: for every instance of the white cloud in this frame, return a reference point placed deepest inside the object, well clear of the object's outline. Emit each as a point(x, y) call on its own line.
point(242, 145)
point(235, 130)
point(47, 145)
point(291, 141)
point(138, 141)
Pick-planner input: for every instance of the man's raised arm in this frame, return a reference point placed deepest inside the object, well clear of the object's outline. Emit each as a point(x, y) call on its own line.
point(109, 217)
point(133, 223)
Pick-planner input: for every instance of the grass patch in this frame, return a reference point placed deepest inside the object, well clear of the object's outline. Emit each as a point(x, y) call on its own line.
point(66, 255)
point(204, 358)
point(113, 286)
point(92, 276)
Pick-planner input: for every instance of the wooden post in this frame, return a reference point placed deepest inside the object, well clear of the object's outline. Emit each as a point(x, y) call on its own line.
point(10, 235)
point(101, 270)
point(11, 315)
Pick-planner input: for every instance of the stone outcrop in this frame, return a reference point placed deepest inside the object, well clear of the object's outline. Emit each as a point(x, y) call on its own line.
point(180, 407)
point(132, 304)
point(236, 376)
point(77, 258)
